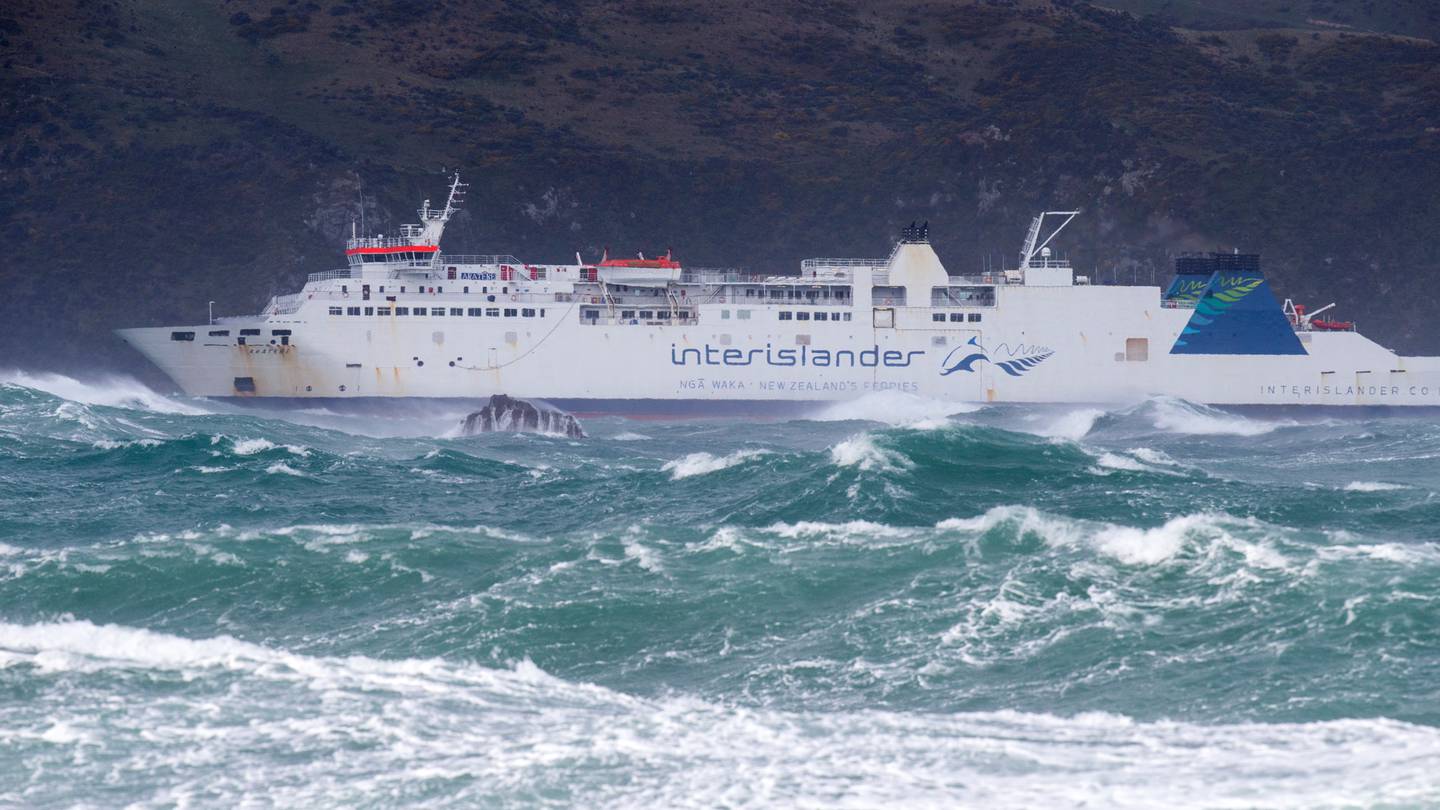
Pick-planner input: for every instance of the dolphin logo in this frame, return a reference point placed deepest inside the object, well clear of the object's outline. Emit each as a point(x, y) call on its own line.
point(967, 362)
point(1022, 359)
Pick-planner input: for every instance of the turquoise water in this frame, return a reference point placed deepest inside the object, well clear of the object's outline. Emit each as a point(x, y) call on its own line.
point(885, 604)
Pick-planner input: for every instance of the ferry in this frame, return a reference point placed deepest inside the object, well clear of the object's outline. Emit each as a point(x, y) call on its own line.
point(404, 319)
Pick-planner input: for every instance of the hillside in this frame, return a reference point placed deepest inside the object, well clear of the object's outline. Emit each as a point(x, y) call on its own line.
point(155, 156)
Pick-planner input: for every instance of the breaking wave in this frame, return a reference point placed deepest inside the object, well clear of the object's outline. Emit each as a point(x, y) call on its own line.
point(1154, 605)
point(465, 733)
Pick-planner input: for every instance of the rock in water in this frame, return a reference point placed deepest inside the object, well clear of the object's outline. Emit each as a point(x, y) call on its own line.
point(505, 413)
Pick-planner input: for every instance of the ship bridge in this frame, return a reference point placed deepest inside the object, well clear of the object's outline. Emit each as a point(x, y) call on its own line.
point(416, 247)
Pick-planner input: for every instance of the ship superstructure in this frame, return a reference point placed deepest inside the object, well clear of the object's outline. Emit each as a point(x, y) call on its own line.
point(404, 319)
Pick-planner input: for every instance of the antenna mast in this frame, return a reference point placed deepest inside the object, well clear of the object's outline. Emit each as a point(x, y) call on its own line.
point(457, 196)
point(1030, 249)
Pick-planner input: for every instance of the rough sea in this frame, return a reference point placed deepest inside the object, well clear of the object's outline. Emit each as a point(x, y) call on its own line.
point(889, 603)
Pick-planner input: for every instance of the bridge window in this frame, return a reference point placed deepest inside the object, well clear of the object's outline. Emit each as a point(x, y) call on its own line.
point(417, 311)
point(336, 311)
point(821, 316)
point(785, 316)
point(182, 335)
point(369, 310)
point(974, 317)
point(474, 312)
point(938, 317)
point(647, 315)
point(627, 314)
point(492, 312)
point(457, 311)
point(382, 311)
point(510, 312)
point(352, 310)
point(402, 310)
point(957, 317)
point(527, 313)
point(437, 311)
point(802, 316)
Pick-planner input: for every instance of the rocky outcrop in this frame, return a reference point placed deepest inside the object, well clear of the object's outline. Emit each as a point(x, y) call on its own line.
point(503, 413)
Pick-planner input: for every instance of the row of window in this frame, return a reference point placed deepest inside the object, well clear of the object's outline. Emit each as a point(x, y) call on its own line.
point(436, 312)
point(226, 333)
point(365, 289)
point(407, 256)
point(791, 294)
point(801, 315)
point(956, 317)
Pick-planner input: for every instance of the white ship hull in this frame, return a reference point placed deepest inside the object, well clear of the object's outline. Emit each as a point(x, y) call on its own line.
point(641, 331)
point(723, 360)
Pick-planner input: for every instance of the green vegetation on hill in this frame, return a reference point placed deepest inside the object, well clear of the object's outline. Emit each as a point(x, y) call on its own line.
point(155, 156)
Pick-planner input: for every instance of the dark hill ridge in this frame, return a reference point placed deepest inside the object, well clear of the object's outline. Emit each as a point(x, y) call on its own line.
point(155, 156)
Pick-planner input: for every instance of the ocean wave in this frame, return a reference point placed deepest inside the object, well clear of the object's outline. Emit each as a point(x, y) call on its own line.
point(861, 451)
point(110, 390)
point(895, 408)
point(249, 447)
point(254, 721)
point(702, 463)
point(1371, 486)
point(1178, 416)
point(1072, 425)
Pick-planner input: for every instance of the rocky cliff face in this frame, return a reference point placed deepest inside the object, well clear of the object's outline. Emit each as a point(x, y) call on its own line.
point(506, 414)
point(156, 156)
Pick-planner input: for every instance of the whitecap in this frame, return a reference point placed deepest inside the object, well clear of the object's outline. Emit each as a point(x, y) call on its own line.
point(895, 408)
point(1371, 486)
point(112, 391)
point(1179, 416)
point(702, 463)
point(111, 444)
point(861, 451)
point(249, 447)
point(506, 735)
point(1074, 425)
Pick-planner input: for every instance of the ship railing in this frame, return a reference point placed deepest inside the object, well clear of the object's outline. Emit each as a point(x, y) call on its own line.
point(480, 258)
point(983, 279)
point(730, 277)
point(284, 304)
point(384, 242)
point(331, 275)
point(1177, 303)
point(820, 264)
point(719, 275)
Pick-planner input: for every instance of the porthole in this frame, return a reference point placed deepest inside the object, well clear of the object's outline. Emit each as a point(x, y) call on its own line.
point(342, 388)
